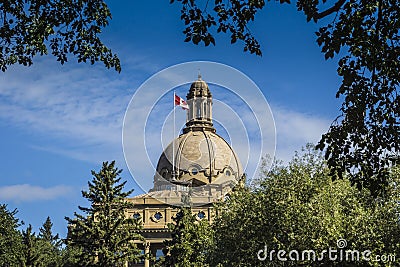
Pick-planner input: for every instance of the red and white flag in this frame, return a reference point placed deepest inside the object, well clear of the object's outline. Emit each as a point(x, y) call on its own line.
point(180, 102)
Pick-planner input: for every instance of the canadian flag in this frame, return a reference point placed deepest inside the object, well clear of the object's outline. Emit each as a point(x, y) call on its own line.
point(180, 102)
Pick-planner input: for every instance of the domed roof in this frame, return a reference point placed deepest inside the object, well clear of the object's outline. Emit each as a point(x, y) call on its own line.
point(200, 157)
point(199, 88)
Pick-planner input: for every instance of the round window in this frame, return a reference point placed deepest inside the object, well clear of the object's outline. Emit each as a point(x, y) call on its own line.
point(201, 215)
point(195, 171)
point(136, 216)
point(158, 216)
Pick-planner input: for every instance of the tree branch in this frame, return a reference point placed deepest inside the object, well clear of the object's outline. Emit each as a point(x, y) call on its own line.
point(330, 10)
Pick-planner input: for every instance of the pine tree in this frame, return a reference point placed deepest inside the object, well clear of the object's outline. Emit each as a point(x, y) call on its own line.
point(10, 238)
point(46, 232)
point(191, 241)
point(104, 234)
point(70, 256)
point(50, 245)
point(31, 248)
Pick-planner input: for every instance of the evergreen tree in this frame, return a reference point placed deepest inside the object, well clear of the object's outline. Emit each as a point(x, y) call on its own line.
point(46, 232)
point(31, 248)
point(104, 234)
point(70, 256)
point(191, 241)
point(10, 238)
point(50, 245)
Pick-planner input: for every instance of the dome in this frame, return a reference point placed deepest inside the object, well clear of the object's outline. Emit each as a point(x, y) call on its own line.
point(200, 157)
point(199, 88)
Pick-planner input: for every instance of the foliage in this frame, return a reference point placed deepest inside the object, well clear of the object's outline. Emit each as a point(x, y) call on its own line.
point(364, 141)
point(298, 207)
point(46, 233)
point(104, 234)
point(33, 27)
point(25, 248)
point(10, 238)
point(70, 256)
point(43, 249)
point(230, 16)
point(191, 241)
point(31, 248)
point(51, 245)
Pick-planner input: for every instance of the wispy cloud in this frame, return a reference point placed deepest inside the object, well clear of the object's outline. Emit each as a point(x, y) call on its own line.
point(295, 129)
point(81, 106)
point(29, 193)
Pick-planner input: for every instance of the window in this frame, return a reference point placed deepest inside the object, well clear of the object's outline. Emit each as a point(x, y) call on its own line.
point(158, 216)
point(201, 215)
point(159, 253)
point(136, 216)
point(164, 173)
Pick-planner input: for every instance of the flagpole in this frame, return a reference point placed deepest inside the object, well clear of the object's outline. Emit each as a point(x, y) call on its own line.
point(173, 142)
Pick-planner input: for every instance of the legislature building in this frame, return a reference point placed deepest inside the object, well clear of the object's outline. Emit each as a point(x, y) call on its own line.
point(199, 161)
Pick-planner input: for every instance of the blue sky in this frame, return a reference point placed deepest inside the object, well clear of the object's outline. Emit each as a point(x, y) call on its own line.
point(58, 122)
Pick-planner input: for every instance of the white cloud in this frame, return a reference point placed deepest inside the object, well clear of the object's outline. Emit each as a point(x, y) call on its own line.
point(294, 130)
point(81, 106)
point(29, 193)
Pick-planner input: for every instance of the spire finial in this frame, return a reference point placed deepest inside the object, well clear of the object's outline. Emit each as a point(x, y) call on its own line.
point(199, 74)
